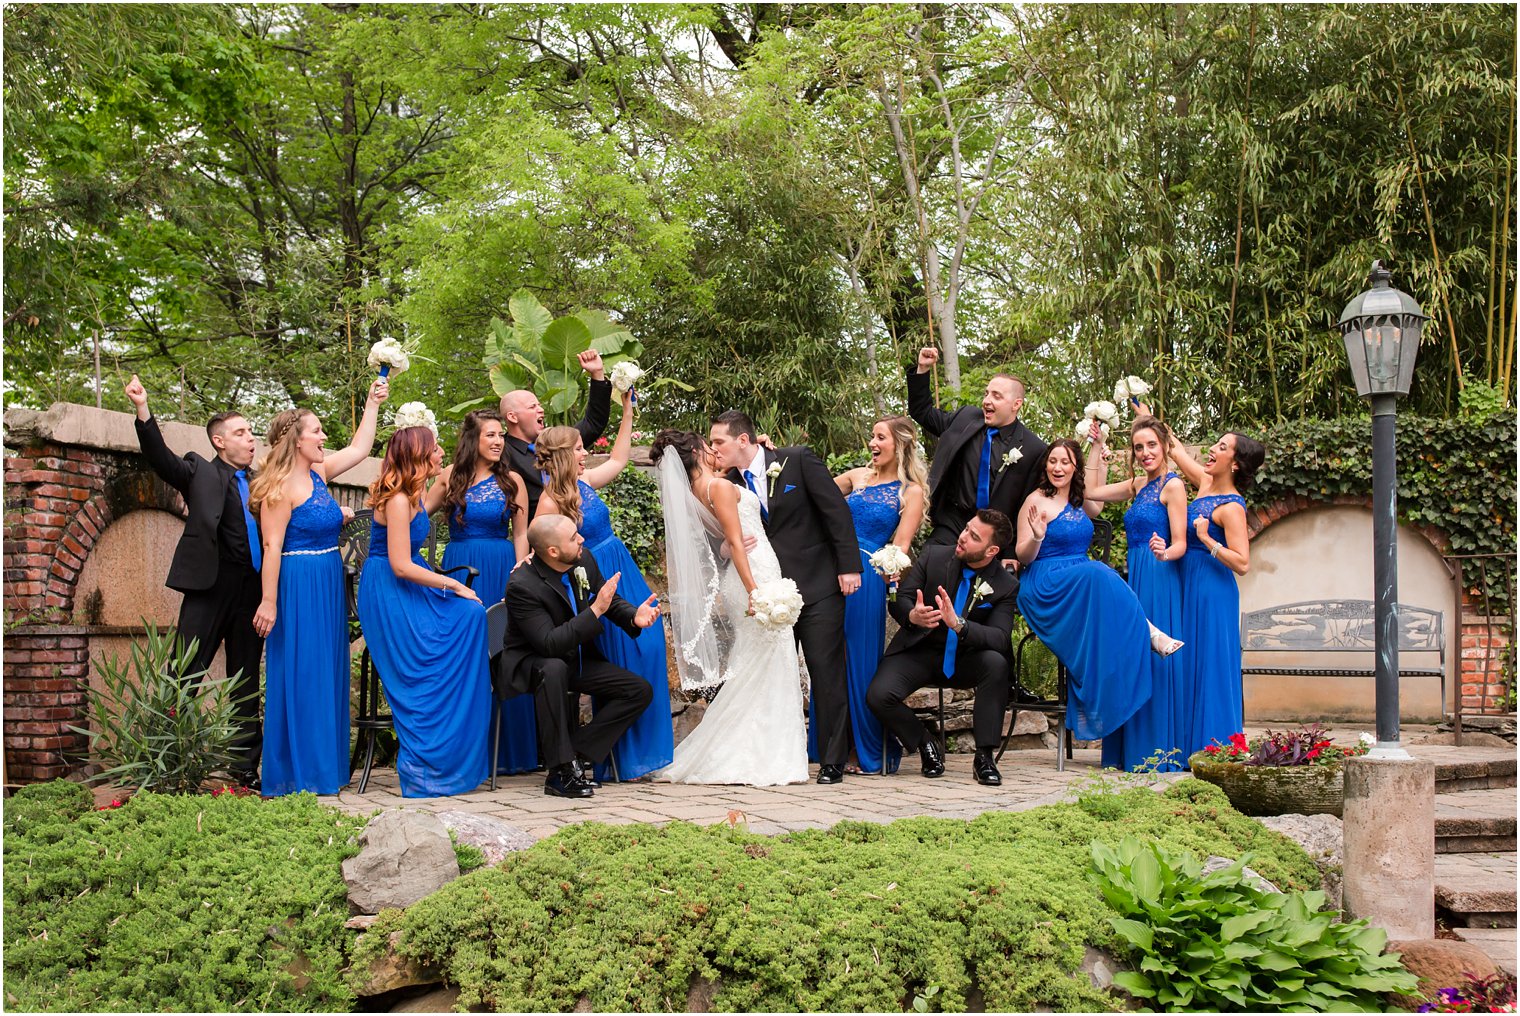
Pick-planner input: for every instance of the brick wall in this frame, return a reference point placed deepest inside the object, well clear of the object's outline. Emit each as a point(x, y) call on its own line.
point(46, 674)
point(1485, 648)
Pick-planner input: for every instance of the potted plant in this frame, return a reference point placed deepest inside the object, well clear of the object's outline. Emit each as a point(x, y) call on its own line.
point(1295, 772)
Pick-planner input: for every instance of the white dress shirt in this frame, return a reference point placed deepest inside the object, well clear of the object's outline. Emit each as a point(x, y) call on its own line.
point(756, 471)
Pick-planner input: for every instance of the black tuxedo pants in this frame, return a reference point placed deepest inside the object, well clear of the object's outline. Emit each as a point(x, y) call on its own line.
point(820, 633)
point(901, 674)
point(224, 614)
point(620, 695)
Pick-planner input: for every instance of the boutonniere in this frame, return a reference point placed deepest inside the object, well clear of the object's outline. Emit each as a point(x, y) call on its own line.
point(581, 582)
point(773, 472)
point(979, 589)
point(1014, 455)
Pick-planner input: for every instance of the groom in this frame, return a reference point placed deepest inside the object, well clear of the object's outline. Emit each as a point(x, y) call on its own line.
point(986, 458)
point(811, 531)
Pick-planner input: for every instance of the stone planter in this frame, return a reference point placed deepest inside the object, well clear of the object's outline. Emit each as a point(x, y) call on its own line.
point(1275, 790)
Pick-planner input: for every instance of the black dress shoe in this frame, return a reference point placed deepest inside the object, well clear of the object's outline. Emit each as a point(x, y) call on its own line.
point(586, 773)
point(932, 757)
point(831, 774)
point(986, 770)
point(562, 782)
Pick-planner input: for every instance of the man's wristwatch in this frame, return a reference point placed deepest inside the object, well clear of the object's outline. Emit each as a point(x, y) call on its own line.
point(960, 625)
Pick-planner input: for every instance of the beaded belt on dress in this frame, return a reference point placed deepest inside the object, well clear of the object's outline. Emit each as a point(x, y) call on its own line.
point(310, 553)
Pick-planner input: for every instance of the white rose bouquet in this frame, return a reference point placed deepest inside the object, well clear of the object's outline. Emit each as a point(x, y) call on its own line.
point(890, 561)
point(625, 374)
point(416, 414)
point(1128, 388)
point(388, 355)
point(1107, 415)
point(776, 604)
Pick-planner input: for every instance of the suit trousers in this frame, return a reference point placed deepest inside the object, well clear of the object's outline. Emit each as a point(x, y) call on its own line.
point(620, 695)
point(901, 674)
point(820, 633)
point(224, 613)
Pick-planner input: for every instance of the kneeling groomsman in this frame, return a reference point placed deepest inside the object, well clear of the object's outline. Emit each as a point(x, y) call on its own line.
point(555, 604)
point(956, 609)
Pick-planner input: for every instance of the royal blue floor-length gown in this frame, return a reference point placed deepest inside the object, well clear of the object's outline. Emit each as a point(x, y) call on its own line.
point(650, 743)
point(1085, 613)
point(1211, 628)
point(876, 511)
point(481, 537)
point(1156, 727)
point(306, 675)
point(430, 648)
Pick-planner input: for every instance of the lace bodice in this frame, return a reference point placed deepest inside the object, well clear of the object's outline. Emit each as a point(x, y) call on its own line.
point(876, 510)
point(315, 522)
point(1147, 517)
point(1069, 534)
point(1203, 508)
point(418, 533)
point(486, 514)
point(596, 519)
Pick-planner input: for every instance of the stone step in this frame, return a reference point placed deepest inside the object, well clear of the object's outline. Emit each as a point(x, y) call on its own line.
point(1499, 943)
point(1476, 890)
point(1456, 775)
point(1475, 821)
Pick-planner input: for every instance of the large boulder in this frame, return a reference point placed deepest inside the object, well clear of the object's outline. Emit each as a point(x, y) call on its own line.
point(403, 856)
point(491, 836)
point(1440, 963)
point(1321, 838)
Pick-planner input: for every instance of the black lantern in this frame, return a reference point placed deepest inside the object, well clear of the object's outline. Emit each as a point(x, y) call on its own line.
point(1382, 328)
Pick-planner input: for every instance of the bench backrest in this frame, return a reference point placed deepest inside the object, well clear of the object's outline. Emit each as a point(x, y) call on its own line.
point(1338, 626)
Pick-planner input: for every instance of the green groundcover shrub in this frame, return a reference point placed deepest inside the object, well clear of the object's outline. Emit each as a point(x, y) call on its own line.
point(174, 903)
point(859, 917)
point(196, 903)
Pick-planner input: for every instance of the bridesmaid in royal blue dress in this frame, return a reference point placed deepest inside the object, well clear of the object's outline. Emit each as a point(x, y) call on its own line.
point(1080, 608)
point(302, 615)
point(425, 631)
point(1155, 531)
point(884, 511)
point(1218, 549)
point(571, 490)
point(487, 507)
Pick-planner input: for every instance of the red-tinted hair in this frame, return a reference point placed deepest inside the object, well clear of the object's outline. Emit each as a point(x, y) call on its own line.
point(408, 460)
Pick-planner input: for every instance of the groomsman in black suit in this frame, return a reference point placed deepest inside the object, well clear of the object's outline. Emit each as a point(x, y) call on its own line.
point(523, 418)
point(553, 620)
point(985, 458)
point(955, 606)
point(216, 564)
point(811, 531)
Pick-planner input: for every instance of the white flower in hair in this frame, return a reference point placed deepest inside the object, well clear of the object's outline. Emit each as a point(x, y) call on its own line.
point(776, 604)
point(625, 374)
point(416, 414)
point(388, 355)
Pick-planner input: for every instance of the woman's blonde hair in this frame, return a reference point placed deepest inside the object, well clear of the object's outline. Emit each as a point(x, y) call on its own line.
point(271, 472)
point(906, 449)
point(556, 456)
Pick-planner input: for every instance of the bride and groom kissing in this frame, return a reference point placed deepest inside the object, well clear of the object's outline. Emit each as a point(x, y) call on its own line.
point(737, 516)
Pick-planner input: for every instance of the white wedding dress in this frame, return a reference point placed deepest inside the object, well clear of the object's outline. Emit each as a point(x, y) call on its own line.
point(753, 733)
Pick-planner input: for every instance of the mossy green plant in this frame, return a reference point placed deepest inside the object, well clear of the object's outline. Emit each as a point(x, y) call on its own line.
point(859, 917)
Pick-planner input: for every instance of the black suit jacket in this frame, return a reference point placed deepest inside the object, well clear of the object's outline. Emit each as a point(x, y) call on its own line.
point(808, 522)
point(1010, 485)
point(203, 483)
point(989, 621)
point(525, 463)
point(541, 625)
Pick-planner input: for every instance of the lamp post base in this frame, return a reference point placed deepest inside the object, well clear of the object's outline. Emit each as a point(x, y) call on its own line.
point(1389, 843)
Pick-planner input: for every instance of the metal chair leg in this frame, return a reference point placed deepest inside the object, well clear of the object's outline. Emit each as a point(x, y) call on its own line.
point(495, 738)
point(369, 760)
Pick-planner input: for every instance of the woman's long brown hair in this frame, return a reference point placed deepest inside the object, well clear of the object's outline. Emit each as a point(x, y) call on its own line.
point(405, 467)
point(556, 456)
point(467, 460)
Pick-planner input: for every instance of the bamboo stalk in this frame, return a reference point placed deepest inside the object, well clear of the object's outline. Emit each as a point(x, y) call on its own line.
point(1240, 205)
point(1507, 346)
point(1435, 251)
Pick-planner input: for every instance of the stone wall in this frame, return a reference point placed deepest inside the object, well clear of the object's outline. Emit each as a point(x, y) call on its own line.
point(88, 532)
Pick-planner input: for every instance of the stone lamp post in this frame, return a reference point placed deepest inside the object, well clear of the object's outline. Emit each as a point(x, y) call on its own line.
point(1389, 818)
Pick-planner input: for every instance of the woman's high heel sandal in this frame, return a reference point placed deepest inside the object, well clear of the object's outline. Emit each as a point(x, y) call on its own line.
point(1162, 643)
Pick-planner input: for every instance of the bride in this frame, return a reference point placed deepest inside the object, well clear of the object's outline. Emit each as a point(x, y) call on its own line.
point(753, 732)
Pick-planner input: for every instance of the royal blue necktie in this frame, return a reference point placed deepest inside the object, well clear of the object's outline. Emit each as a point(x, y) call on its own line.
point(984, 474)
point(749, 481)
point(570, 592)
point(952, 640)
point(255, 552)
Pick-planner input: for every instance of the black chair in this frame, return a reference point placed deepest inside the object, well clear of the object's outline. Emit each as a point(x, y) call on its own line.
point(1022, 698)
point(496, 633)
point(372, 716)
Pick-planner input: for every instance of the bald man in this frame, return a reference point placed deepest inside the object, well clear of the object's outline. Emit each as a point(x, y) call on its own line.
point(985, 457)
point(524, 419)
point(555, 607)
